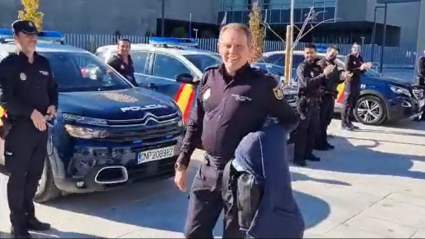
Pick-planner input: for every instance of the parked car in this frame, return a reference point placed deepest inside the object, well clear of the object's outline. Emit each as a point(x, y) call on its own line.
point(173, 70)
point(106, 132)
point(382, 98)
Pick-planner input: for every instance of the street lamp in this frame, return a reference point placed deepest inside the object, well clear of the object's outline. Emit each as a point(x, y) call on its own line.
point(162, 18)
point(196, 32)
point(381, 65)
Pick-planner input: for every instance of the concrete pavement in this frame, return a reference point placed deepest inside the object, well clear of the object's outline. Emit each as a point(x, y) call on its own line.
point(372, 185)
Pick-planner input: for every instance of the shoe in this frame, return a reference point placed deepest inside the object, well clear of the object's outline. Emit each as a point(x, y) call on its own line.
point(33, 224)
point(301, 163)
point(19, 232)
point(321, 148)
point(348, 128)
point(313, 158)
point(330, 146)
point(354, 127)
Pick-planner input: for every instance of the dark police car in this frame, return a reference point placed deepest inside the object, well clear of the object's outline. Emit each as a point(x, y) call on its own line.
point(106, 132)
point(382, 98)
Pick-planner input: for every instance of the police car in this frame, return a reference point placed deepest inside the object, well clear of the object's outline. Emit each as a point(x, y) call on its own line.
point(173, 67)
point(382, 98)
point(107, 132)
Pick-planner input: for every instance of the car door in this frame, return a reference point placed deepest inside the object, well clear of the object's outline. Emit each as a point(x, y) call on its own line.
point(162, 72)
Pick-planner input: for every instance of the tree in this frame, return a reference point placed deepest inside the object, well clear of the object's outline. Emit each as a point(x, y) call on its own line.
point(257, 31)
point(30, 12)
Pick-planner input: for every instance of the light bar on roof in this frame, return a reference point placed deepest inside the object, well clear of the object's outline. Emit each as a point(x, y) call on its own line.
point(321, 48)
point(7, 34)
point(173, 41)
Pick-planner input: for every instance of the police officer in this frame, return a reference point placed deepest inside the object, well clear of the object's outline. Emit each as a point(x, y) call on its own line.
point(421, 78)
point(356, 66)
point(310, 78)
point(328, 96)
point(30, 97)
point(122, 61)
point(233, 100)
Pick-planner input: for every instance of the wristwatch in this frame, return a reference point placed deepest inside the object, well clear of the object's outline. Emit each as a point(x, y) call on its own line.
point(179, 167)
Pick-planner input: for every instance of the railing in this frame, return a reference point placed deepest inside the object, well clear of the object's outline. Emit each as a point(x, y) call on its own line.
point(394, 57)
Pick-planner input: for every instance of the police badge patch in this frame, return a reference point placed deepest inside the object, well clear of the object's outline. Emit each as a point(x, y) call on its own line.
point(120, 97)
point(278, 92)
point(23, 76)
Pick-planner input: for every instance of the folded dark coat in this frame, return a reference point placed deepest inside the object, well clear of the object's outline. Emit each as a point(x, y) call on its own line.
point(264, 155)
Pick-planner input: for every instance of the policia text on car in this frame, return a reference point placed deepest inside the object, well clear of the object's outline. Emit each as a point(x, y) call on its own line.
point(233, 100)
point(310, 79)
point(30, 97)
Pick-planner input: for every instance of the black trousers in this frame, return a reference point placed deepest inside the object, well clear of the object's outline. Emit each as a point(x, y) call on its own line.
point(326, 112)
point(25, 153)
point(351, 95)
point(307, 132)
point(206, 203)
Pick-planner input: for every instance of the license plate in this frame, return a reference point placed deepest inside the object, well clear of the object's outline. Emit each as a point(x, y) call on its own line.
point(155, 154)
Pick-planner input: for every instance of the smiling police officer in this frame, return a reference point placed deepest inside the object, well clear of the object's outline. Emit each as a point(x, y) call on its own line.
point(122, 61)
point(233, 100)
point(30, 97)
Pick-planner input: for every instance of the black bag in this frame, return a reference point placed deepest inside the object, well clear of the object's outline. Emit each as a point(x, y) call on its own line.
point(249, 194)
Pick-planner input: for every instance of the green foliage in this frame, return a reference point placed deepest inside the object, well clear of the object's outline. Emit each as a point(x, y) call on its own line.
point(30, 12)
point(257, 31)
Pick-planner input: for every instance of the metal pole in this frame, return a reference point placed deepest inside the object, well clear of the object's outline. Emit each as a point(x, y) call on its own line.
point(162, 18)
point(372, 53)
point(381, 66)
point(291, 41)
point(190, 26)
point(288, 56)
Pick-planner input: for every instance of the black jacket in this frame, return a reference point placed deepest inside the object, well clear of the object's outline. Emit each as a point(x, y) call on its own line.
point(310, 79)
point(421, 70)
point(330, 84)
point(126, 70)
point(352, 65)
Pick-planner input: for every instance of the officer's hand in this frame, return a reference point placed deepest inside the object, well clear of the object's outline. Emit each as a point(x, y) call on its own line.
point(328, 70)
point(51, 111)
point(180, 179)
point(38, 120)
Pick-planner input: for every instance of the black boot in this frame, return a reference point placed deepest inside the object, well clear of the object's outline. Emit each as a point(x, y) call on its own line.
point(313, 158)
point(19, 232)
point(33, 224)
point(301, 163)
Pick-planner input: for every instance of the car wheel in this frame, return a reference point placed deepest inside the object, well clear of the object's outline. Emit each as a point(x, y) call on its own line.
point(370, 110)
point(46, 189)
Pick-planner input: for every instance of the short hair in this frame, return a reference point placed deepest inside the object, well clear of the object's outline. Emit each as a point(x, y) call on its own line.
point(333, 47)
point(355, 43)
point(238, 27)
point(310, 46)
point(124, 40)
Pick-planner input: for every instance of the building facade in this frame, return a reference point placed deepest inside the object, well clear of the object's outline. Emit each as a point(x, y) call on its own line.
point(344, 21)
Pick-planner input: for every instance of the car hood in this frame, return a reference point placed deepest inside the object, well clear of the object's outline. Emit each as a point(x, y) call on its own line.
point(388, 80)
point(118, 104)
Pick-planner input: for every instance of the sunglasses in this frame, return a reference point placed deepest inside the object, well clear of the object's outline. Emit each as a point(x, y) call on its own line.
point(356, 47)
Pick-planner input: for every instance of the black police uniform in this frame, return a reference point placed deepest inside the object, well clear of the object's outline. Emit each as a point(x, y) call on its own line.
point(127, 70)
point(26, 87)
point(310, 78)
point(421, 78)
point(352, 89)
point(329, 93)
point(226, 110)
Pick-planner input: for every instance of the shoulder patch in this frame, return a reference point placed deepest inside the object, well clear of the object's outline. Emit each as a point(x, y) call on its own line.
point(278, 91)
point(212, 67)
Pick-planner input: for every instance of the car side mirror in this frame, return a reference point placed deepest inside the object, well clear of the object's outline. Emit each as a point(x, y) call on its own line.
point(186, 78)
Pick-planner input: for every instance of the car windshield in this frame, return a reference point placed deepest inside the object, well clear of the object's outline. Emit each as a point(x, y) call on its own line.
point(203, 61)
point(83, 72)
point(368, 73)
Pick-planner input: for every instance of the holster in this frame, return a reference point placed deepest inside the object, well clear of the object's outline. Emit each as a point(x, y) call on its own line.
point(249, 194)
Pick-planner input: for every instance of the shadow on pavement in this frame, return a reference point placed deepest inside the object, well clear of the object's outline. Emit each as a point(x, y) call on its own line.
point(343, 159)
point(53, 233)
point(296, 176)
point(160, 205)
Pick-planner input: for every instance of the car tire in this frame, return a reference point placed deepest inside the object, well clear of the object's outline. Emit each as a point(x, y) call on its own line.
point(47, 189)
point(370, 110)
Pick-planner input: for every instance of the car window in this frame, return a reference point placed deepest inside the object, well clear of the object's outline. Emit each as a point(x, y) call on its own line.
point(139, 60)
point(102, 55)
point(168, 67)
point(277, 59)
point(202, 61)
point(83, 72)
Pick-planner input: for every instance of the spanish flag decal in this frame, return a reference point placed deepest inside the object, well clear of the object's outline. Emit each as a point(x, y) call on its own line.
point(184, 99)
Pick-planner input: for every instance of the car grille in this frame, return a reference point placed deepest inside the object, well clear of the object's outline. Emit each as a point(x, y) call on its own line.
point(418, 93)
point(159, 129)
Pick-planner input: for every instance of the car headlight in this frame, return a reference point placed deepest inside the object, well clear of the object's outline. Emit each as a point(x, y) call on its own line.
point(84, 120)
point(400, 90)
point(85, 132)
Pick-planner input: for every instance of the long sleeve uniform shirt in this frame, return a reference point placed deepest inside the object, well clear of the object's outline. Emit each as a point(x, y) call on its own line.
point(330, 84)
point(310, 79)
point(126, 70)
point(228, 108)
point(27, 87)
point(353, 64)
